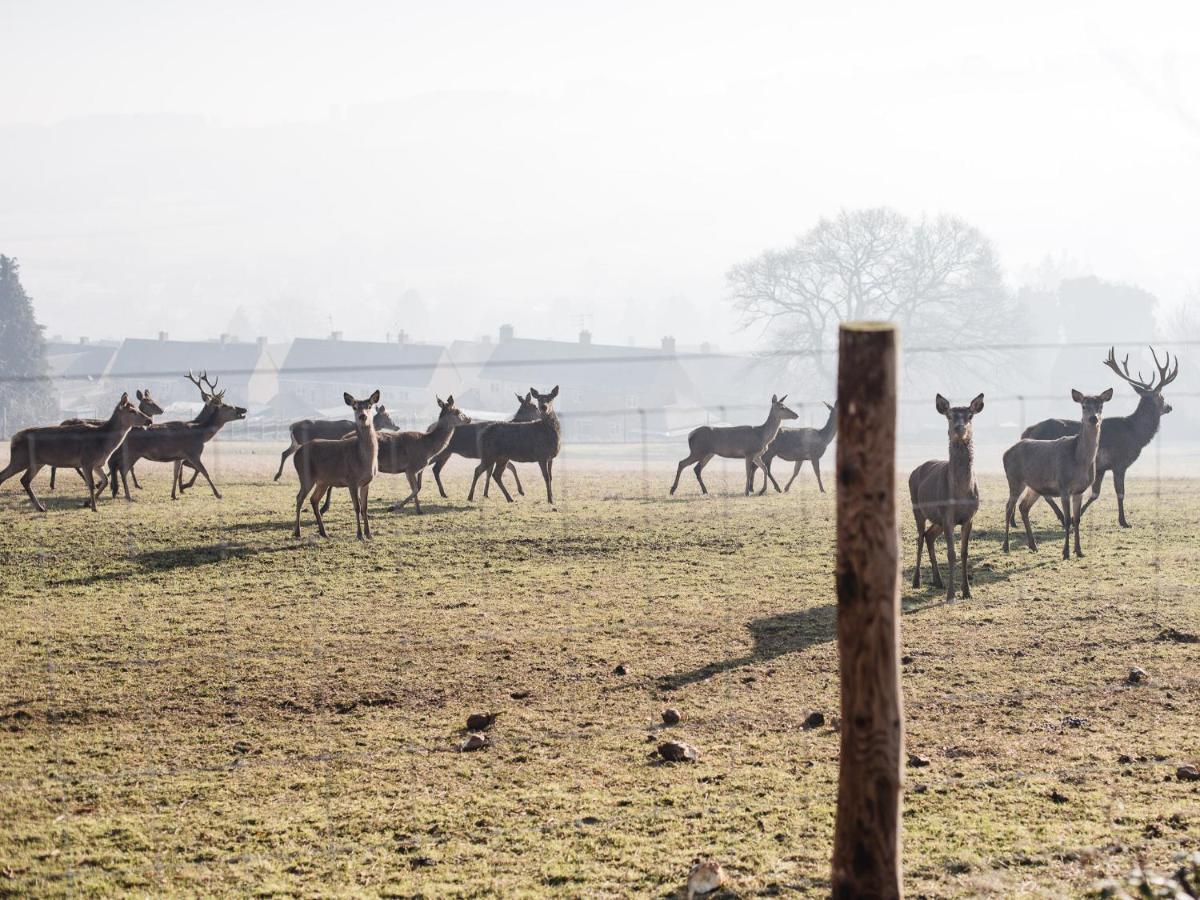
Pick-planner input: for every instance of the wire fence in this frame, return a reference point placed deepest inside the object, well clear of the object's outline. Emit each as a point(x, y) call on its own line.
point(610, 455)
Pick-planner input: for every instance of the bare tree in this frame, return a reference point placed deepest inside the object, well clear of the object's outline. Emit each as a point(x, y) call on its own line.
point(938, 278)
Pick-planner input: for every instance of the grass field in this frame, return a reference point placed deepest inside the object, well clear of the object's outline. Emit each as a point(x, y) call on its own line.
point(192, 702)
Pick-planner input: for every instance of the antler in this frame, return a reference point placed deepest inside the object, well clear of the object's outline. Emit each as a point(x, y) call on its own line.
point(1165, 374)
point(196, 381)
point(1111, 362)
point(212, 385)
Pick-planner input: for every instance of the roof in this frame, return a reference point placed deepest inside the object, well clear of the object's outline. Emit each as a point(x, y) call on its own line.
point(138, 357)
point(361, 362)
point(79, 362)
point(604, 368)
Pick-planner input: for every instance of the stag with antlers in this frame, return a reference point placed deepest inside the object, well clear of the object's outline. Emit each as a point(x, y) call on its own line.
point(1123, 437)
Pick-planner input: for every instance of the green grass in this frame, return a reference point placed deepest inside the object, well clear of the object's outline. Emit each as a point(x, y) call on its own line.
point(192, 702)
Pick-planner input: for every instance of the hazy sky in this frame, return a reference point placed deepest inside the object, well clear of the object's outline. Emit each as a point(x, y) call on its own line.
point(444, 168)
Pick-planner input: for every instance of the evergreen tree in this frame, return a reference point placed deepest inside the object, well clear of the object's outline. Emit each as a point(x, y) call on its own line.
point(25, 394)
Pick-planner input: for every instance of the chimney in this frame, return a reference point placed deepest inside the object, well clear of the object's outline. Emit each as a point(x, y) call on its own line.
point(585, 337)
point(84, 339)
point(506, 333)
point(402, 337)
point(163, 336)
point(261, 340)
point(335, 335)
point(485, 339)
point(224, 338)
point(668, 344)
point(706, 347)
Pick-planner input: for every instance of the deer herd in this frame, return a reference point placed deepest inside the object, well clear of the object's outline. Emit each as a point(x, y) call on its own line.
point(1058, 459)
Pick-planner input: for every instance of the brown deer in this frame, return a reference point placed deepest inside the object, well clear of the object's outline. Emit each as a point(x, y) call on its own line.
point(944, 494)
point(797, 445)
point(409, 452)
point(747, 442)
point(83, 447)
point(1062, 468)
point(305, 430)
point(145, 404)
point(350, 462)
point(1124, 437)
point(465, 441)
point(503, 442)
point(175, 442)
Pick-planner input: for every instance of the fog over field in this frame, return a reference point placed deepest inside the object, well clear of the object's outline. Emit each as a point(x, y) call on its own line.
point(287, 170)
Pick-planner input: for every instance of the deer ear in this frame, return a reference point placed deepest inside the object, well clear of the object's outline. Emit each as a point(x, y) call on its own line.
point(1107, 395)
point(125, 397)
point(977, 404)
point(554, 393)
point(138, 394)
point(346, 396)
point(520, 399)
point(439, 400)
point(1076, 396)
point(374, 398)
point(449, 399)
point(827, 406)
point(774, 398)
point(784, 397)
point(942, 404)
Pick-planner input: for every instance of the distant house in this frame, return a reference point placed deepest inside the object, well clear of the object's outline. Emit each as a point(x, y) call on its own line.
point(243, 367)
point(737, 389)
point(77, 373)
point(602, 386)
point(316, 372)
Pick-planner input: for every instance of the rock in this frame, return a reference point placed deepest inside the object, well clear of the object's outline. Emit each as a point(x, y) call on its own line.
point(243, 747)
point(705, 876)
point(678, 751)
point(1187, 773)
point(481, 721)
point(474, 742)
point(814, 720)
point(671, 716)
point(519, 695)
point(1179, 637)
point(621, 670)
point(1137, 675)
point(1056, 797)
point(1124, 759)
point(1072, 721)
point(917, 761)
point(906, 660)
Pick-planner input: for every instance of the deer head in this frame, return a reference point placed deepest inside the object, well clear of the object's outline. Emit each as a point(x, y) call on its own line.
point(780, 410)
point(544, 401)
point(451, 414)
point(959, 418)
point(1093, 406)
point(383, 419)
point(147, 405)
point(1147, 389)
point(128, 415)
point(361, 408)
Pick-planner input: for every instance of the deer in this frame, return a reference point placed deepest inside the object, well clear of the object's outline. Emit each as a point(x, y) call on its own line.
point(503, 442)
point(1063, 467)
point(179, 443)
point(83, 447)
point(797, 445)
point(465, 441)
point(146, 404)
point(945, 494)
point(409, 452)
point(1124, 437)
point(350, 462)
point(304, 430)
point(748, 442)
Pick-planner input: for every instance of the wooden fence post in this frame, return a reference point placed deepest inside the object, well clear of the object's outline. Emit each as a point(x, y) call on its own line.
point(866, 848)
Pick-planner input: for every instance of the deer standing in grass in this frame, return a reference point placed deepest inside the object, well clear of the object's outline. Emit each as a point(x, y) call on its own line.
point(409, 452)
point(1124, 437)
point(944, 494)
point(503, 442)
point(305, 430)
point(465, 441)
point(747, 442)
point(1063, 468)
point(83, 447)
point(350, 462)
point(796, 445)
point(145, 404)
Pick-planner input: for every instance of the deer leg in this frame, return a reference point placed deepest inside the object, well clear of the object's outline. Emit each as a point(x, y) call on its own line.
point(133, 475)
point(364, 495)
point(766, 467)
point(795, 472)
point(357, 510)
point(414, 486)
point(176, 477)
point(704, 461)
point(1077, 515)
point(948, 530)
point(191, 481)
point(479, 470)
point(295, 445)
point(966, 539)
point(683, 464)
point(301, 494)
point(89, 478)
point(816, 464)
point(1066, 505)
point(27, 483)
point(750, 470)
point(314, 501)
point(516, 478)
point(494, 474)
point(124, 482)
point(199, 467)
point(328, 500)
point(1119, 487)
point(916, 582)
point(53, 470)
point(548, 474)
point(931, 533)
point(438, 464)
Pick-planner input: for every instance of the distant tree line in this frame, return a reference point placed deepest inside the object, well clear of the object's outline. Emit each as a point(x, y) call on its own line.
point(25, 394)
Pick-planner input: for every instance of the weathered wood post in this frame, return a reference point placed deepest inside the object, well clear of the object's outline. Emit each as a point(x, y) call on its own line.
point(866, 847)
